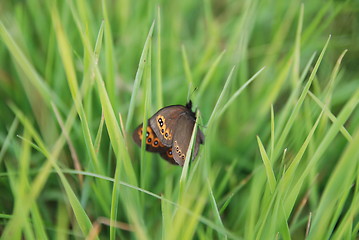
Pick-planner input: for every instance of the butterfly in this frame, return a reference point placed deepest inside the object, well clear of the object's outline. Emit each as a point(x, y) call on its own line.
point(169, 132)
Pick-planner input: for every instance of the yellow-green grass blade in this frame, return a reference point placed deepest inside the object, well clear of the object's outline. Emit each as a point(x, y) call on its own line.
point(183, 179)
point(214, 206)
point(207, 78)
point(325, 143)
point(62, 221)
point(159, 61)
point(289, 174)
point(292, 100)
point(20, 187)
point(340, 180)
point(220, 100)
point(333, 76)
point(346, 226)
point(8, 139)
point(296, 54)
point(23, 62)
point(18, 220)
point(299, 103)
point(238, 92)
point(18, 192)
point(87, 84)
point(331, 116)
point(124, 169)
point(79, 212)
point(98, 138)
point(145, 163)
point(182, 206)
point(66, 52)
point(166, 219)
point(187, 71)
point(272, 133)
point(268, 167)
point(138, 79)
point(110, 59)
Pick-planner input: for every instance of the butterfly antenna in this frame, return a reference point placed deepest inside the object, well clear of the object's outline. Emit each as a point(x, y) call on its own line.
point(189, 96)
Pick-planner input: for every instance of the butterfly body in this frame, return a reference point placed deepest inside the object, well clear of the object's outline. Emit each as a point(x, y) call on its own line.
point(169, 132)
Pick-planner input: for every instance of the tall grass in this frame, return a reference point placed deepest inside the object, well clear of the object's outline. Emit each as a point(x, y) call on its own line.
point(275, 86)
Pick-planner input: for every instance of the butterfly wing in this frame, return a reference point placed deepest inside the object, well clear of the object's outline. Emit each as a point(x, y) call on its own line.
point(182, 137)
point(168, 156)
point(153, 144)
point(199, 140)
point(164, 122)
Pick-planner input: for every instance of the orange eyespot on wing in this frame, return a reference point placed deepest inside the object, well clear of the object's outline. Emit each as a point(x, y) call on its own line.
point(163, 129)
point(169, 153)
point(155, 143)
point(139, 132)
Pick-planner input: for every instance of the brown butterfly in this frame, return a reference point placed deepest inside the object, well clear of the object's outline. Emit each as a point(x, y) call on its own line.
point(169, 132)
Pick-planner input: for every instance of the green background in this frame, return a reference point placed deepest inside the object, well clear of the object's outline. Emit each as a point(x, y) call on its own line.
point(276, 85)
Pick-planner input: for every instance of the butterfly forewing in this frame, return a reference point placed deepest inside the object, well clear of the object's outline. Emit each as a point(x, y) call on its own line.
point(164, 122)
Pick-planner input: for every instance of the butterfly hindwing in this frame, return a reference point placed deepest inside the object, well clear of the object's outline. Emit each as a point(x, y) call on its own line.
point(152, 143)
point(168, 156)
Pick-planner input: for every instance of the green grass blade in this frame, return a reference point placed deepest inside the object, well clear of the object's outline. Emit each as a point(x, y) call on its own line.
point(138, 78)
point(159, 91)
point(268, 167)
point(8, 139)
point(299, 103)
point(110, 59)
point(215, 209)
